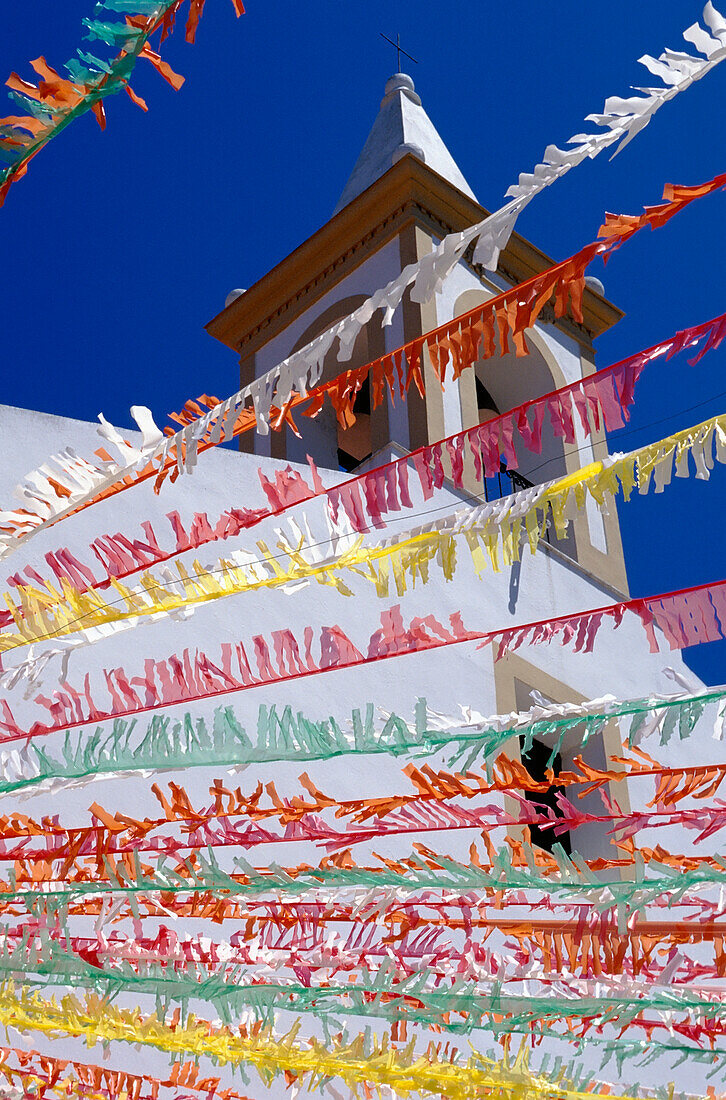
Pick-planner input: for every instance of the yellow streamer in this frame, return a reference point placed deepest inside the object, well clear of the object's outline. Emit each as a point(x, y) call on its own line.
point(402, 1070)
point(54, 613)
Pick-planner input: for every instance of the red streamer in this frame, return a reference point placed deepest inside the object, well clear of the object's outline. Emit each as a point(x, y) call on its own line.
point(687, 617)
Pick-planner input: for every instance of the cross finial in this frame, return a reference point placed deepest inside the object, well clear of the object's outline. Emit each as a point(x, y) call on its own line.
point(399, 51)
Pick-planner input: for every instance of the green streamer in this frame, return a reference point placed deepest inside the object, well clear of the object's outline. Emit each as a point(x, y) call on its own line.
point(229, 995)
point(47, 962)
point(574, 877)
point(637, 1052)
point(99, 77)
point(374, 999)
point(189, 742)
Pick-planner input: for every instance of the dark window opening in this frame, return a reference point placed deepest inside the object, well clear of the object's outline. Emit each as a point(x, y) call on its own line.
point(536, 762)
point(362, 402)
point(485, 403)
point(354, 443)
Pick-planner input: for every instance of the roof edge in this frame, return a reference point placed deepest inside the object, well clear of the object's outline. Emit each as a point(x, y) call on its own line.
point(344, 242)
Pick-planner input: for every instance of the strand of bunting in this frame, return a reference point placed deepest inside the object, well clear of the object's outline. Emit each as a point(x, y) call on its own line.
point(371, 1060)
point(68, 483)
point(393, 924)
point(547, 928)
point(488, 530)
point(407, 1000)
point(602, 401)
point(56, 101)
point(320, 936)
point(622, 976)
point(38, 881)
point(433, 806)
point(44, 1076)
point(282, 734)
point(684, 618)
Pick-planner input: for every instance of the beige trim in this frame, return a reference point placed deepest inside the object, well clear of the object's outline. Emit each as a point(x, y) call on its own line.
point(425, 414)
point(610, 565)
point(435, 423)
point(511, 668)
point(247, 375)
point(408, 192)
point(325, 320)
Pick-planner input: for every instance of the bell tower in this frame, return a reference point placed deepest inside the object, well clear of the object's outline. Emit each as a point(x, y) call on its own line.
point(404, 194)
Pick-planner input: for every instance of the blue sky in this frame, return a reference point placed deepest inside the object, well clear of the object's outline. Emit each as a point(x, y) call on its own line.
point(119, 246)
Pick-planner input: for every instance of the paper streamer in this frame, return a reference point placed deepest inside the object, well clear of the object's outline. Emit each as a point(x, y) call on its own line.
point(77, 1078)
point(602, 400)
point(282, 734)
point(576, 955)
point(490, 529)
point(496, 530)
point(515, 867)
point(687, 617)
point(424, 909)
point(119, 1084)
point(234, 819)
point(423, 999)
point(67, 490)
point(549, 919)
point(42, 1075)
point(56, 100)
point(371, 1059)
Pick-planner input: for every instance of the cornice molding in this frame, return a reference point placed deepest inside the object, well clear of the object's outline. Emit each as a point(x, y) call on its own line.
point(409, 192)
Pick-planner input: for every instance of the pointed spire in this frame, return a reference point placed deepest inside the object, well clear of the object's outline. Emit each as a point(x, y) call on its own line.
point(402, 126)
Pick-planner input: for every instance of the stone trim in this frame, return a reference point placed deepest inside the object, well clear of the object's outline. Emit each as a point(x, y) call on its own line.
point(408, 192)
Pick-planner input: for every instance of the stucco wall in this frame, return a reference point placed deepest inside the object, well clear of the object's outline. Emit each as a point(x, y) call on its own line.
point(463, 674)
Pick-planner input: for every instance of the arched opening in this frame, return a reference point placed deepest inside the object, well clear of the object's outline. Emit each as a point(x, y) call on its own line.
point(548, 756)
point(507, 382)
point(502, 383)
point(330, 444)
point(355, 444)
point(486, 406)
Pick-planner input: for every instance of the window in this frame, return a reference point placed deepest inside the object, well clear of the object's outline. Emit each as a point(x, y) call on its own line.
point(592, 840)
point(536, 761)
point(354, 443)
point(485, 404)
point(504, 382)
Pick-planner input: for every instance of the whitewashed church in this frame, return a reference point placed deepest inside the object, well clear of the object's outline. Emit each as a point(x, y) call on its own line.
point(403, 195)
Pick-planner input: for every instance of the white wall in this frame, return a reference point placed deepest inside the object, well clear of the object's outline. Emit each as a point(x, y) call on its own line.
point(463, 674)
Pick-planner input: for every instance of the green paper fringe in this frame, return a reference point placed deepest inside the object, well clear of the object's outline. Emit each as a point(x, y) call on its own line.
point(188, 742)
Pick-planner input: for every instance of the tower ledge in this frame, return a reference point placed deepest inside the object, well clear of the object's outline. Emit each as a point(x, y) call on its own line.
point(409, 192)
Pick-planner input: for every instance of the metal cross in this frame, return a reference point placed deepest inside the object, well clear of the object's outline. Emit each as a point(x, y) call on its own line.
point(399, 51)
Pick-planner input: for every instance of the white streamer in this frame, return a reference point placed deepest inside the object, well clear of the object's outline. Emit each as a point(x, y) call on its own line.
point(621, 120)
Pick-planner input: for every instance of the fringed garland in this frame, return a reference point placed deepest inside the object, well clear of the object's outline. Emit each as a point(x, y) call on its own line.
point(55, 101)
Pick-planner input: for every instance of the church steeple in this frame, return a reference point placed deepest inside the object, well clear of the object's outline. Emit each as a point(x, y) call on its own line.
point(404, 195)
point(402, 126)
